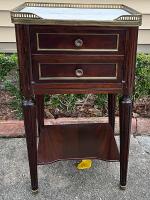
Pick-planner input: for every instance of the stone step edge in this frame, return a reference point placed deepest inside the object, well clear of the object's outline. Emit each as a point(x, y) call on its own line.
point(15, 128)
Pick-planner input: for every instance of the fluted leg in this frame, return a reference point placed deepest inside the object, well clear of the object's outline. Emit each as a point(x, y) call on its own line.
point(111, 109)
point(29, 109)
point(40, 111)
point(125, 126)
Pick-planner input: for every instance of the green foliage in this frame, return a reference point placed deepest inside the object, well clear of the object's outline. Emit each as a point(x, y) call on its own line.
point(16, 101)
point(101, 100)
point(64, 102)
point(7, 63)
point(67, 102)
point(142, 79)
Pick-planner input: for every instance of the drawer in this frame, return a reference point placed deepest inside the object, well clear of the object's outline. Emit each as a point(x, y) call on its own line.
point(102, 41)
point(77, 72)
point(75, 42)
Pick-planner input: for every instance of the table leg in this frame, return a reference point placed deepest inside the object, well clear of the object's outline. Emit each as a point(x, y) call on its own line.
point(29, 110)
point(125, 106)
point(111, 109)
point(40, 111)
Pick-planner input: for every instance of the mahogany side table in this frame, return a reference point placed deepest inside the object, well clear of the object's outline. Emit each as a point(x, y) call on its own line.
point(76, 48)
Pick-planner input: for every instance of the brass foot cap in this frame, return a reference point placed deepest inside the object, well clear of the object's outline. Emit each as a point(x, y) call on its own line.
point(35, 191)
point(122, 187)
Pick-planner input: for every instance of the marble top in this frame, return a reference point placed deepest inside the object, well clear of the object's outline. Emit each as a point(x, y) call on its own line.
point(76, 13)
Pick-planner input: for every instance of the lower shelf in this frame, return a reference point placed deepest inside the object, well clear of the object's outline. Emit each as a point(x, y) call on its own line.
point(77, 141)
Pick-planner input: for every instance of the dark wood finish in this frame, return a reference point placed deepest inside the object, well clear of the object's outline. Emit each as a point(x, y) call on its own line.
point(68, 138)
point(130, 58)
point(67, 41)
point(29, 110)
point(77, 141)
point(24, 59)
point(69, 71)
point(78, 58)
point(65, 65)
point(101, 70)
point(66, 88)
point(40, 111)
point(125, 106)
point(111, 109)
point(78, 85)
point(107, 39)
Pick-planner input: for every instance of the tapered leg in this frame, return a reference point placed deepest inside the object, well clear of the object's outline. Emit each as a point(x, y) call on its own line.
point(40, 111)
point(29, 109)
point(125, 106)
point(111, 109)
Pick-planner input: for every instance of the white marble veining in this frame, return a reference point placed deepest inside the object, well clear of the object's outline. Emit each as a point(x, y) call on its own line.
point(76, 13)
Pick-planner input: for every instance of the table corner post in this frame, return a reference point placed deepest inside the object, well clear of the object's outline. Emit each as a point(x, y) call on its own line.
point(30, 122)
point(125, 110)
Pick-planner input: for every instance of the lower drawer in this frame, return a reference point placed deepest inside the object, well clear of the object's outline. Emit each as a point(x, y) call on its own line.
point(49, 72)
point(81, 74)
point(77, 71)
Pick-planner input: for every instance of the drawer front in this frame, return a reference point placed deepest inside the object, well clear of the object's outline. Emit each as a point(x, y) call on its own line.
point(76, 39)
point(76, 72)
point(76, 42)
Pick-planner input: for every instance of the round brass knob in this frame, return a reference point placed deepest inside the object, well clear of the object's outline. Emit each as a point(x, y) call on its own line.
point(79, 72)
point(78, 43)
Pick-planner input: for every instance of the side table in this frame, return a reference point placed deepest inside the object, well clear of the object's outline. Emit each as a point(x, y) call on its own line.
point(76, 48)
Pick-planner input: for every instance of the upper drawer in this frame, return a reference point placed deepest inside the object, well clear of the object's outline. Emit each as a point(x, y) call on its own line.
point(47, 40)
point(75, 42)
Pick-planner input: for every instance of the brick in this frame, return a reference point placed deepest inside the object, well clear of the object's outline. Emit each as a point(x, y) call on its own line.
point(15, 128)
point(143, 126)
point(11, 128)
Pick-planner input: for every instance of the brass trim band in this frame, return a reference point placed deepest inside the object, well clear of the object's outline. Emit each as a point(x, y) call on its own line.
point(78, 78)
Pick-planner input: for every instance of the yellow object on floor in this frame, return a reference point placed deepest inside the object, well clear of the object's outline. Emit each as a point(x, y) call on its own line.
point(84, 164)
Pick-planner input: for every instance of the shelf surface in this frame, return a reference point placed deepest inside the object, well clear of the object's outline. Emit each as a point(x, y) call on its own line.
point(77, 141)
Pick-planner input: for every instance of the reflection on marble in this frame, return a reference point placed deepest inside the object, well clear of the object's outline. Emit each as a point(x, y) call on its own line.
point(76, 13)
